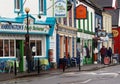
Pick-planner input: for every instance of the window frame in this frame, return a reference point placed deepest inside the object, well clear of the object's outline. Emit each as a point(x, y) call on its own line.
point(43, 12)
point(16, 8)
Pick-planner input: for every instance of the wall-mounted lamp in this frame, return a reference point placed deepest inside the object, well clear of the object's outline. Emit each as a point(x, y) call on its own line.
point(39, 16)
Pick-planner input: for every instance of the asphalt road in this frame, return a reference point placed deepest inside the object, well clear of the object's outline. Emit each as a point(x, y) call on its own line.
point(108, 75)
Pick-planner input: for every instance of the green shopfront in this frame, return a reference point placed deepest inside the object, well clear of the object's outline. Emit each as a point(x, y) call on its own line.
point(12, 37)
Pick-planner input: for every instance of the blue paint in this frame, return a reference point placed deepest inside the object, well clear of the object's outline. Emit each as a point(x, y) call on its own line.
point(57, 48)
point(100, 20)
point(7, 58)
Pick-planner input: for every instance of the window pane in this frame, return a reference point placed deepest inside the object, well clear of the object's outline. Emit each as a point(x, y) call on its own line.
point(17, 4)
point(65, 20)
point(39, 48)
point(41, 6)
point(1, 48)
point(6, 48)
point(32, 45)
point(11, 47)
point(70, 18)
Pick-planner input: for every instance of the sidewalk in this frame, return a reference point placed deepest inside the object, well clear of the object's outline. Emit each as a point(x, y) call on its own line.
point(9, 76)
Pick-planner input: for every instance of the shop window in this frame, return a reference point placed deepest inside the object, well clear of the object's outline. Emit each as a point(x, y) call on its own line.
point(39, 48)
point(33, 47)
point(1, 48)
point(65, 20)
point(36, 46)
point(70, 18)
point(6, 48)
point(11, 47)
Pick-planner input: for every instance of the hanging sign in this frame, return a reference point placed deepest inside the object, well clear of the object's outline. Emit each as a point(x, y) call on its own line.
point(60, 8)
point(81, 12)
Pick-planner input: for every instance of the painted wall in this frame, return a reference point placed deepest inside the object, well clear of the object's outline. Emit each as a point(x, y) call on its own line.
point(86, 27)
point(33, 5)
point(88, 23)
point(7, 10)
point(107, 25)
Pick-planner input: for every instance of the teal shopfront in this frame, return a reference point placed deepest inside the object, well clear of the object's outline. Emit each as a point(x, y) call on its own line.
point(12, 37)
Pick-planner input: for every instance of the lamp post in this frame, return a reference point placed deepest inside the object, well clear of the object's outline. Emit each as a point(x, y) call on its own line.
point(27, 35)
point(27, 42)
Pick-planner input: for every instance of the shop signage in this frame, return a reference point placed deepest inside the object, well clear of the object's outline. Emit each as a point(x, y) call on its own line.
point(11, 27)
point(23, 28)
point(81, 12)
point(37, 28)
point(60, 8)
point(67, 31)
point(115, 33)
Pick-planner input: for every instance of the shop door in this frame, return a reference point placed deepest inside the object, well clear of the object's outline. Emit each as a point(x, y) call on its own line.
point(20, 53)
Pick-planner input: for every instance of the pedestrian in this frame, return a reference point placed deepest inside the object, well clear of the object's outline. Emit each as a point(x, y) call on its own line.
point(109, 53)
point(87, 54)
point(103, 53)
point(18, 53)
point(69, 61)
point(29, 59)
point(64, 63)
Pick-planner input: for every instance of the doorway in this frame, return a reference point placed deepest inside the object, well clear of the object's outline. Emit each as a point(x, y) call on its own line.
point(20, 53)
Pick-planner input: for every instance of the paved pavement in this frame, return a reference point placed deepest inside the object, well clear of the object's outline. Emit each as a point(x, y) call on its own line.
point(90, 67)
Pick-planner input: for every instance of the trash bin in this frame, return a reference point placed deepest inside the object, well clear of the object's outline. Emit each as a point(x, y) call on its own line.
point(115, 58)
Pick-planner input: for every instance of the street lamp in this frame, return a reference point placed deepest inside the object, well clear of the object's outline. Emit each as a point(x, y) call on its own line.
point(27, 11)
point(27, 42)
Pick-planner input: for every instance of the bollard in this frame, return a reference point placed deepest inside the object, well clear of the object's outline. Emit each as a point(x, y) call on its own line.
point(38, 69)
point(79, 64)
point(79, 67)
point(15, 68)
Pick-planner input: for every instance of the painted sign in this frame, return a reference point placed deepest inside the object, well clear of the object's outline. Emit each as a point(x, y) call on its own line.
point(67, 31)
point(22, 28)
point(115, 33)
point(60, 8)
point(81, 12)
point(116, 39)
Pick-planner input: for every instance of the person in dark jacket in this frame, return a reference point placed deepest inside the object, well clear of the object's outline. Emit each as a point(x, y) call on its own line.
point(87, 54)
point(64, 62)
point(103, 52)
point(29, 59)
point(109, 53)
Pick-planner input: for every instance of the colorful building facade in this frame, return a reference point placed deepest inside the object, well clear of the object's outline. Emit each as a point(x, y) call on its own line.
point(85, 25)
point(13, 27)
point(66, 34)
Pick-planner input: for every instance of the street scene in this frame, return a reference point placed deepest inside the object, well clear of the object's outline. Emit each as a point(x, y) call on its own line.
point(108, 75)
point(59, 41)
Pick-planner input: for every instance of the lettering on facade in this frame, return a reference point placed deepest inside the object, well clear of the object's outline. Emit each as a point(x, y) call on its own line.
point(66, 31)
point(23, 27)
point(11, 27)
point(60, 8)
